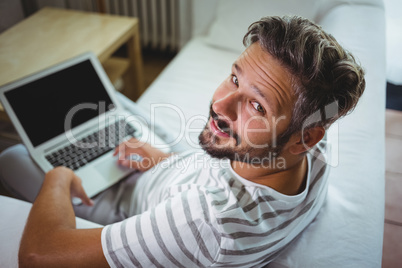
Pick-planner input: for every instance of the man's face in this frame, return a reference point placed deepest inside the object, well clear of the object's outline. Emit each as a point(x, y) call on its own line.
point(249, 109)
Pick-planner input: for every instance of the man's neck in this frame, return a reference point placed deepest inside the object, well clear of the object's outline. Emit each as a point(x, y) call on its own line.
point(288, 181)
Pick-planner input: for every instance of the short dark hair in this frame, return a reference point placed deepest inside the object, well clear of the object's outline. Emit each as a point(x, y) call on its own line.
point(322, 71)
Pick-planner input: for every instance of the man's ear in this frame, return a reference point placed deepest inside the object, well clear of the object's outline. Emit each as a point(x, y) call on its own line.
point(309, 138)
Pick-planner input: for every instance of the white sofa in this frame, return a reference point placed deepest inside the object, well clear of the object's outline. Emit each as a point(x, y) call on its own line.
point(348, 232)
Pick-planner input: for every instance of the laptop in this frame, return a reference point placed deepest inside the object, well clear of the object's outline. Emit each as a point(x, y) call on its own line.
point(68, 115)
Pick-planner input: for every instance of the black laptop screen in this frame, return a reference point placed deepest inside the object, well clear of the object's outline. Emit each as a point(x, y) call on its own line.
point(68, 97)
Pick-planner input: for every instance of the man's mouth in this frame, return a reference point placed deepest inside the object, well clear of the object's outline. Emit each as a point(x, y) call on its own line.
point(216, 129)
point(220, 127)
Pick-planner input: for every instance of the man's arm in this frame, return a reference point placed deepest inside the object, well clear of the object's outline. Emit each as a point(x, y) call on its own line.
point(50, 238)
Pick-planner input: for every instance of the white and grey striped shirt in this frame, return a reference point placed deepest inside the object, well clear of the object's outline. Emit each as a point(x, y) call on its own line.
point(195, 211)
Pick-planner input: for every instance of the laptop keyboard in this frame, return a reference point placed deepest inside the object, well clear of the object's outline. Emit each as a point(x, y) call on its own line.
point(92, 146)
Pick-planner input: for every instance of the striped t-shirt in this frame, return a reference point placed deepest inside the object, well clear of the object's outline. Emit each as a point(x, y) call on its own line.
point(192, 210)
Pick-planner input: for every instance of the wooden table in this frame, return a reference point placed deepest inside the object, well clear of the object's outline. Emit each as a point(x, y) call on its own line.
point(52, 35)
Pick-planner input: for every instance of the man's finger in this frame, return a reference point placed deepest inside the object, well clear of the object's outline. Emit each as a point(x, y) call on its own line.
point(84, 198)
point(119, 148)
point(77, 190)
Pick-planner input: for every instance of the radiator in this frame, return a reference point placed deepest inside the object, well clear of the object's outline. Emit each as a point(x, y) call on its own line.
point(159, 20)
point(163, 23)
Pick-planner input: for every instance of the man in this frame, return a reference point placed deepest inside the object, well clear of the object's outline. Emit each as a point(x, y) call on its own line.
point(240, 204)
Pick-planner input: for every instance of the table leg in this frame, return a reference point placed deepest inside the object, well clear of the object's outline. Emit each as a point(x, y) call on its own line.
point(134, 77)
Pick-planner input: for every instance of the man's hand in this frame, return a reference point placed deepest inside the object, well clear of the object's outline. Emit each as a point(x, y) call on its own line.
point(139, 155)
point(75, 184)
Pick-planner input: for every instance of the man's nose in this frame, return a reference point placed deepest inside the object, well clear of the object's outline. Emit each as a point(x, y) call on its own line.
point(228, 106)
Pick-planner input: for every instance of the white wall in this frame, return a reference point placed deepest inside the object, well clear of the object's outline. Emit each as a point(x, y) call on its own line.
point(393, 9)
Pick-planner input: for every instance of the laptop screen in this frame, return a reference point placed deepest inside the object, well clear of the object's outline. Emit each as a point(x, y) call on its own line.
point(70, 97)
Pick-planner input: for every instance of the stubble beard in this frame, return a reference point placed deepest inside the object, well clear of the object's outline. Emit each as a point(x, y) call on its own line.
point(213, 146)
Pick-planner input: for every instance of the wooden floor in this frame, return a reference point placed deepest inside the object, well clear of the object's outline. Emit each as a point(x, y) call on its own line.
point(392, 248)
point(154, 63)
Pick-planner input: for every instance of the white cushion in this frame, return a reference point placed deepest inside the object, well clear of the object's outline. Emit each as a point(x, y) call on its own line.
point(233, 17)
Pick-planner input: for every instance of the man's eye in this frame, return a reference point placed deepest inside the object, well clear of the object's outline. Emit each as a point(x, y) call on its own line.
point(258, 107)
point(234, 80)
